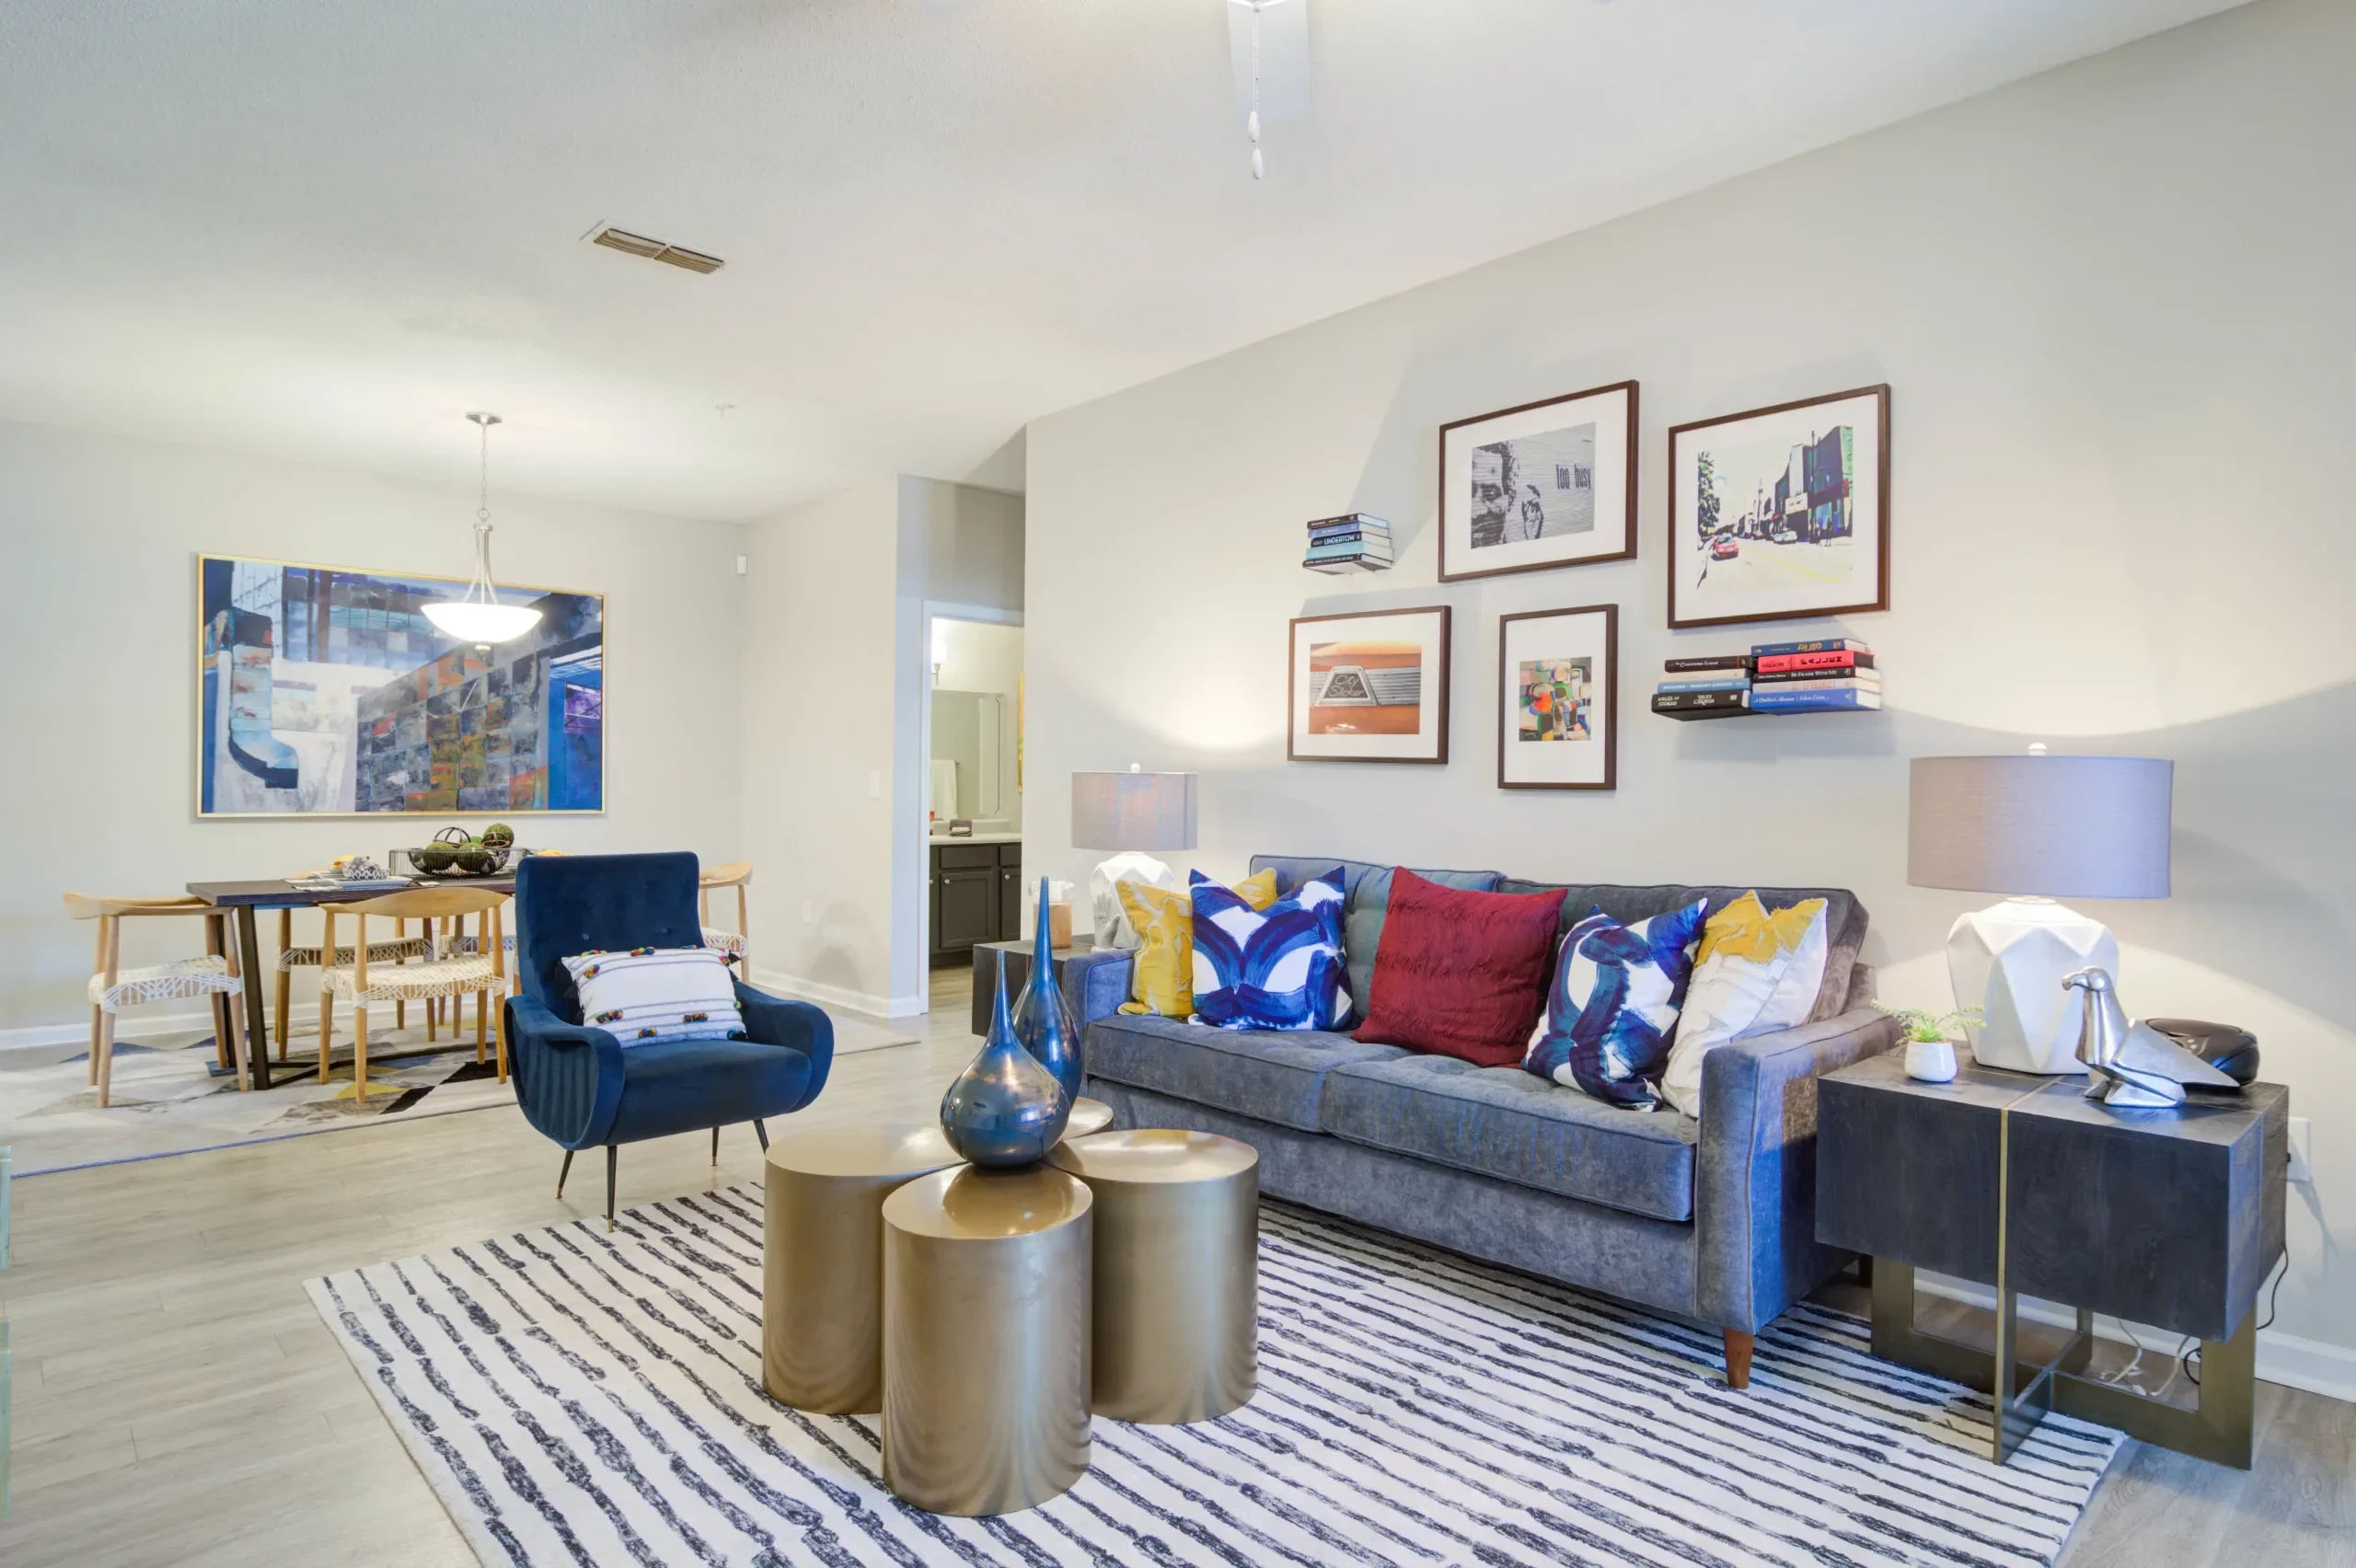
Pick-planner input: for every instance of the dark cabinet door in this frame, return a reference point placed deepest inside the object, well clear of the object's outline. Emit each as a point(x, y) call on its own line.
point(1010, 903)
point(965, 909)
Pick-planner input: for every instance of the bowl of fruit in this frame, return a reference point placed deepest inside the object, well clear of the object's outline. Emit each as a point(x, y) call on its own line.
point(454, 852)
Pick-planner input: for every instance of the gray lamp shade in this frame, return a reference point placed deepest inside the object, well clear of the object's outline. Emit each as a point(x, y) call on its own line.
point(2047, 826)
point(1133, 811)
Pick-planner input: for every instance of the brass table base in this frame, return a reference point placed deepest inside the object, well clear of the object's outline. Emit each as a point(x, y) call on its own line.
point(2219, 1431)
point(1177, 1219)
point(986, 1339)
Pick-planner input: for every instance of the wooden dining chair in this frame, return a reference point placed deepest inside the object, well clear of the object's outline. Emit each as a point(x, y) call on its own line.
point(402, 947)
point(447, 972)
point(733, 945)
point(112, 988)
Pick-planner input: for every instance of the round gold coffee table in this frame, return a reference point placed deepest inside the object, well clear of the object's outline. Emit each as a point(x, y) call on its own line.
point(986, 1339)
point(821, 1275)
point(1088, 1117)
point(1177, 1260)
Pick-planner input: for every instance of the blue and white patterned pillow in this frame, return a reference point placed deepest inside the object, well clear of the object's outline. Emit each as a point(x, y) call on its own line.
point(651, 994)
point(1611, 1011)
point(1275, 968)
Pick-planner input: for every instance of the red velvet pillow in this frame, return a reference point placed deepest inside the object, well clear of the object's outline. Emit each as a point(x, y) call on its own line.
point(1461, 973)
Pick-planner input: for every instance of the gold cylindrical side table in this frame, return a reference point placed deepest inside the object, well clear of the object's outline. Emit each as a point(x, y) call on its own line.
point(986, 1339)
point(821, 1275)
point(1177, 1271)
point(1088, 1117)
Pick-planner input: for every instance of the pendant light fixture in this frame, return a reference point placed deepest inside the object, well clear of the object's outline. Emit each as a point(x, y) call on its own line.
point(477, 616)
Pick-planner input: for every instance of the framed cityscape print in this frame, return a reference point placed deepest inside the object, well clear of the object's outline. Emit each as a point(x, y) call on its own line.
point(1558, 699)
point(1368, 688)
point(323, 691)
point(1780, 513)
point(1542, 485)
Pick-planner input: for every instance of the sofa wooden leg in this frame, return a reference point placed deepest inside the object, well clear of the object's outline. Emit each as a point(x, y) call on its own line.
point(1739, 1358)
point(562, 1171)
point(613, 1155)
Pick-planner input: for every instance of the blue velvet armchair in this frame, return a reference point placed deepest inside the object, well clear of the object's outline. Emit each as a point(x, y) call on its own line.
point(581, 1086)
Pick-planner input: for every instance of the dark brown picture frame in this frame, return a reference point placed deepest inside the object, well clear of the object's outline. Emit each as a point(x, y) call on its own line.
point(1611, 614)
point(1447, 637)
point(1628, 460)
point(1880, 394)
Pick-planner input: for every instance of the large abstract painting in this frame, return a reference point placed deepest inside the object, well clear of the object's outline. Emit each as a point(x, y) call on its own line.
point(322, 691)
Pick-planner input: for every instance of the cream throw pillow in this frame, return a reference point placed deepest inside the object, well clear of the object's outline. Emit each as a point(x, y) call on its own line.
point(1753, 969)
point(1161, 973)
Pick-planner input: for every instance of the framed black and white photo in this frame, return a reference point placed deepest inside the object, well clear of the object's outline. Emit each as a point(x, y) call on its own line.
point(1542, 485)
point(1780, 513)
point(1558, 699)
point(1368, 688)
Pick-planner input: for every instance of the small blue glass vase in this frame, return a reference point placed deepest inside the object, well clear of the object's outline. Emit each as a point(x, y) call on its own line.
point(1042, 1020)
point(1004, 1109)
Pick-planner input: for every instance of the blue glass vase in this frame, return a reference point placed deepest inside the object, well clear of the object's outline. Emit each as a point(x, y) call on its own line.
point(1004, 1109)
point(1041, 1021)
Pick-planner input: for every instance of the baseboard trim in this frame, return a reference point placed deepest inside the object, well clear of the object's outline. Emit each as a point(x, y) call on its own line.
point(868, 1002)
point(2311, 1364)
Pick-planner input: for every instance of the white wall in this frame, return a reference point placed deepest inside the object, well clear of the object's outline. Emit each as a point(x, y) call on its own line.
point(834, 670)
point(2113, 304)
point(97, 793)
point(818, 721)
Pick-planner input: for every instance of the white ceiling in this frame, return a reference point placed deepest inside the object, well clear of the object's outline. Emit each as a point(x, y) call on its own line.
point(326, 230)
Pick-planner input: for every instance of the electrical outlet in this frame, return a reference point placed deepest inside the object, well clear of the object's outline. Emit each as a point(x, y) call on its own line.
point(2302, 1164)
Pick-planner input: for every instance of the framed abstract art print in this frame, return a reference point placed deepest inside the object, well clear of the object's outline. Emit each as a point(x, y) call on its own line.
point(1558, 699)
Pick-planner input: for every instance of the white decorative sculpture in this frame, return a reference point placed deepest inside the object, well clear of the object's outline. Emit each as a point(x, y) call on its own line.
point(2011, 958)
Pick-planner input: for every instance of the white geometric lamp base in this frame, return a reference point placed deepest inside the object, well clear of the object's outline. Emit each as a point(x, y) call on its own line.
point(1113, 929)
point(2011, 959)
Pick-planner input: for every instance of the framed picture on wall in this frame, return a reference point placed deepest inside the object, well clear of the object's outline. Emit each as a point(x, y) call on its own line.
point(1368, 688)
point(325, 691)
point(1780, 513)
point(1542, 485)
point(1558, 699)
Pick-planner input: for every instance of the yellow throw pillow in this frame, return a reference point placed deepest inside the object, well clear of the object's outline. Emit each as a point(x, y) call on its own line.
point(1162, 969)
point(1748, 962)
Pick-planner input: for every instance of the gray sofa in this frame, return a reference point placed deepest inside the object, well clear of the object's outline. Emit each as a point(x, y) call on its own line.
point(1714, 1221)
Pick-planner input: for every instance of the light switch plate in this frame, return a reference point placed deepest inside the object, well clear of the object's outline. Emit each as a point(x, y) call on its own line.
point(2301, 1143)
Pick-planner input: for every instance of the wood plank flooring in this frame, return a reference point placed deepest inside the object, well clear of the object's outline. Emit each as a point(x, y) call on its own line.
point(178, 1401)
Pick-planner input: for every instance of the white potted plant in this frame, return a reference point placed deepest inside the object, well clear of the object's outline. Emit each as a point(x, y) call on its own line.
point(1930, 1039)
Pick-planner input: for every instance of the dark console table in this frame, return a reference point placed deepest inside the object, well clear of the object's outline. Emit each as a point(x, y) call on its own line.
point(1016, 957)
point(2172, 1218)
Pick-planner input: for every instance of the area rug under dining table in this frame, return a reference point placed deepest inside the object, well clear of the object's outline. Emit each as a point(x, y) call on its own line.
point(575, 1397)
point(171, 1097)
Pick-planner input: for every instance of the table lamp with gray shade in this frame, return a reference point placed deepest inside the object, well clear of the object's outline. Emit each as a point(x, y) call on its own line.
point(2039, 828)
point(1131, 812)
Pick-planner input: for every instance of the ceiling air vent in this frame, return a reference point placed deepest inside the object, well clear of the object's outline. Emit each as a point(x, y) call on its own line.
point(631, 244)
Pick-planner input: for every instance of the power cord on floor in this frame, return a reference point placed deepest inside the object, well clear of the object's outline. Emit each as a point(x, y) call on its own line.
point(2190, 1359)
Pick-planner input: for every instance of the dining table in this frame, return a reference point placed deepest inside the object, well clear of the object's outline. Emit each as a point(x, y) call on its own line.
point(246, 899)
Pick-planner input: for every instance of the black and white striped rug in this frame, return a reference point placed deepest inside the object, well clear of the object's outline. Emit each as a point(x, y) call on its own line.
point(585, 1398)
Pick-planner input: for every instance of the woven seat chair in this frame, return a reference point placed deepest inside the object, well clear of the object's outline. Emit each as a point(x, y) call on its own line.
point(113, 987)
point(291, 958)
point(733, 945)
point(446, 972)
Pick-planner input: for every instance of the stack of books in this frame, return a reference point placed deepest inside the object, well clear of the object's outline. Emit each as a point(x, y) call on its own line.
point(1832, 675)
point(1353, 542)
point(1715, 687)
